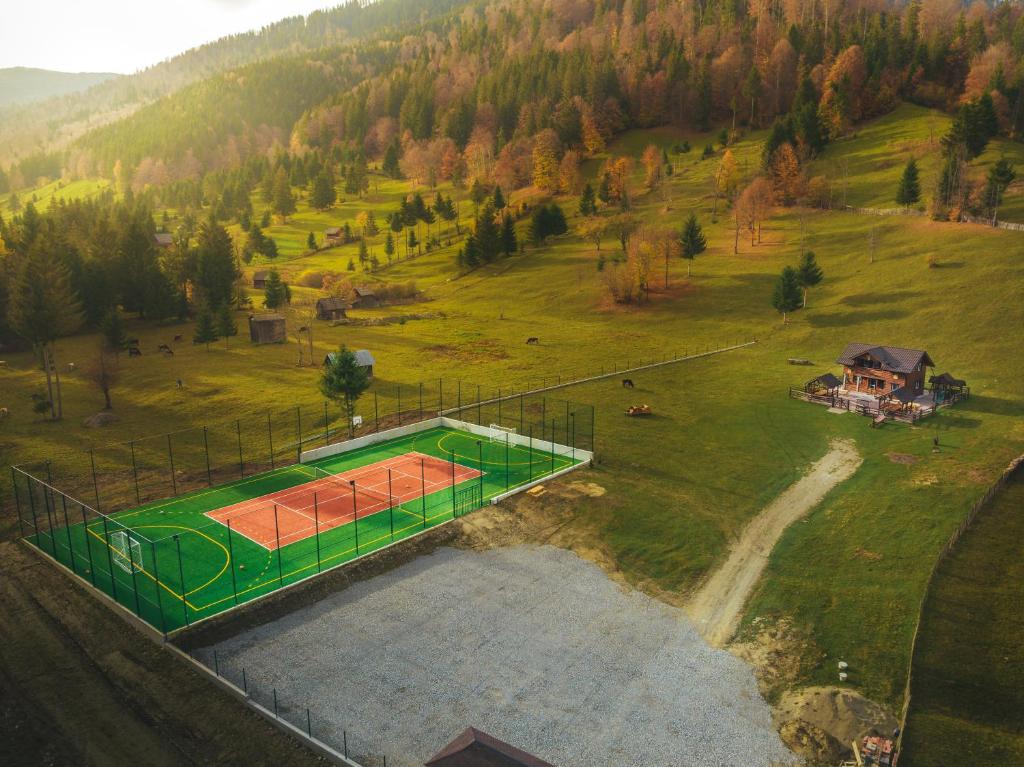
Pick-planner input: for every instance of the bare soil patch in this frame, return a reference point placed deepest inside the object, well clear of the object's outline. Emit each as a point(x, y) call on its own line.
point(484, 349)
point(902, 458)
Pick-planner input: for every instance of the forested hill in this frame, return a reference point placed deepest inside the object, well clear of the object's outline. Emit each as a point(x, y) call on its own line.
point(24, 85)
point(30, 129)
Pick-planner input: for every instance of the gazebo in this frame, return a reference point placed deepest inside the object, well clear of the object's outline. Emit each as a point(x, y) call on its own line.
point(946, 387)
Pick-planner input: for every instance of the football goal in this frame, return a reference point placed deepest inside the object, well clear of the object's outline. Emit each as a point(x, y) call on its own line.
point(502, 434)
point(126, 552)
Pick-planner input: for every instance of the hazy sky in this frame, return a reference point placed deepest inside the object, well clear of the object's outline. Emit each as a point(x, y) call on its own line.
point(127, 35)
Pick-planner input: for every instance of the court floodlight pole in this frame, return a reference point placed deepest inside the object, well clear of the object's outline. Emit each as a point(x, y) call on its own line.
point(241, 463)
point(355, 513)
point(181, 574)
point(423, 491)
point(277, 533)
point(206, 447)
point(391, 507)
point(170, 457)
point(159, 599)
point(480, 466)
point(231, 559)
point(88, 546)
point(316, 528)
point(135, 473)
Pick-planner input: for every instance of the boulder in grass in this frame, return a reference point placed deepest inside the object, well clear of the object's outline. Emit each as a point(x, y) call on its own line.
point(98, 421)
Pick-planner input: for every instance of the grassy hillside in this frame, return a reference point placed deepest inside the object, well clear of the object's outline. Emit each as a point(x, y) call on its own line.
point(966, 699)
point(724, 439)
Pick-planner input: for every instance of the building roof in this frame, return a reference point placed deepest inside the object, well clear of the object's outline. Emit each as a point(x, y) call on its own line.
point(331, 303)
point(261, 275)
point(362, 291)
point(266, 318)
point(364, 358)
point(945, 379)
point(902, 394)
point(473, 748)
point(163, 239)
point(895, 359)
point(332, 231)
point(827, 380)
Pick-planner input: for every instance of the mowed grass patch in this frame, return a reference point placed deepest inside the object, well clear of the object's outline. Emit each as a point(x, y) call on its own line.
point(966, 695)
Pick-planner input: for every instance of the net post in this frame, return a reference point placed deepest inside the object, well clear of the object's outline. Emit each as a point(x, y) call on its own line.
point(231, 560)
point(376, 414)
point(110, 558)
point(316, 527)
point(451, 454)
point(241, 463)
point(355, 513)
point(423, 491)
point(399, 404)
point(88, 546)
point(277, 534)
point(95, 482)
point(67, 529)
point(159, 599)
point(131, 568)
point(206, 449)
point(135, 473)
point(170, 456)
point(181, 577)
point(391, 507)
point(17, 503)
point(270, 436)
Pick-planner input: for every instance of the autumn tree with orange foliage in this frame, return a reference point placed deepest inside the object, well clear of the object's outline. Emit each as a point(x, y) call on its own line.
point(652, 166)
point(787, 177)
point(545, 160)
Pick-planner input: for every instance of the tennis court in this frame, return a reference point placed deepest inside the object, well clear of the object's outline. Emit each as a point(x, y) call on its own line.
point(183, 559)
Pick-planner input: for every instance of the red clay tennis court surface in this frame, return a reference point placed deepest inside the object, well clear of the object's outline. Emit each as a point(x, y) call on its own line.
point(292, 514)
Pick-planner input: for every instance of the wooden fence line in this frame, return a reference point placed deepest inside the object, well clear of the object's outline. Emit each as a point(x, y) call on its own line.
point(964, 525)
point(966, 219)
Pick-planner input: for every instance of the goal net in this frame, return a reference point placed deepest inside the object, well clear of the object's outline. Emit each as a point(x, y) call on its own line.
point(126, 552)
point(502, 434)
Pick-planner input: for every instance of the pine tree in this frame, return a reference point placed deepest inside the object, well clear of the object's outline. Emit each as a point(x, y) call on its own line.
point(498, 199)
point(364, 253)
point(1000, 176)
point(693, 241)
point(509, 243)
point(786, 297)
point(226, 326)
point(588, 205)
point(311, 241)
point(113, 331)
point(284, 201)
point(477, 193)
point(390, 164)
point(909, 190)
point(206, 330)
point(604, 191)
point(487, 234)
point(389, 246)
point(808, 274)
point(216, 267)
point(323, 195)
point(275, 293)
point(344, 380)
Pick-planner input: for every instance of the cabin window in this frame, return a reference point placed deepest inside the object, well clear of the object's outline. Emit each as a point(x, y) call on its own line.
point(872, 382)
point(917, 386)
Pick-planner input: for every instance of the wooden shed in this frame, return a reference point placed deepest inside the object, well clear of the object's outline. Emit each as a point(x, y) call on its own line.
point(163, 240)
point(365, 298)
point(259, 279)
point(267, 329)
point(363, 358)
point(331, 308)
point(333, 236)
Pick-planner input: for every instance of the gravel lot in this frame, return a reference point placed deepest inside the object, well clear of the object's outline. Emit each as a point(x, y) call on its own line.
point(531, 644)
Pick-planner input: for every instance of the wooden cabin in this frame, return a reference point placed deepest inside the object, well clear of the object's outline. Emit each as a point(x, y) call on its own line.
point(363, 359)
point(474, 748)
point(259, 279)
point(365, 298)
point(878, 370)
point(163, 240)
point(331, 308)
point(267, 329)
point(333, 236)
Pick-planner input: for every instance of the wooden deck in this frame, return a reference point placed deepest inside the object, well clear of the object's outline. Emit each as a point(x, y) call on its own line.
point(873, 410)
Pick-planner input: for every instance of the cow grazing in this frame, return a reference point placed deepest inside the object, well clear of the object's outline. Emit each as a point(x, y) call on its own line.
point(533, 340)
point(4, 412)
point(134, 351)
point(627, 383)
point(177, 338)
point(165, 349)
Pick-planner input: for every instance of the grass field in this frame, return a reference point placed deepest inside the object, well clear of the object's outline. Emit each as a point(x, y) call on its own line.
point(724, 438)
point(204, 552)
point(967, 697)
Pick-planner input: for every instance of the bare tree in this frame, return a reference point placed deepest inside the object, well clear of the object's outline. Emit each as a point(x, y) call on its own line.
point(104, 374)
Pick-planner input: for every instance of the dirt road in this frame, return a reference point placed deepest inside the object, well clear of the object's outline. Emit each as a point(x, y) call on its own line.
point(717, 606)
point(80, 686)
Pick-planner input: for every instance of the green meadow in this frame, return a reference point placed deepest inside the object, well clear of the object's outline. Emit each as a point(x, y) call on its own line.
point(724, 439)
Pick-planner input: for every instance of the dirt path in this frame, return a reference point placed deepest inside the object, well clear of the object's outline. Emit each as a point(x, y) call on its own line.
point(80, 686)
point(717, 606)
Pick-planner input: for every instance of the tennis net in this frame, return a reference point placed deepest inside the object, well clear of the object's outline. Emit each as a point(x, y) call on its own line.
point(361, 491)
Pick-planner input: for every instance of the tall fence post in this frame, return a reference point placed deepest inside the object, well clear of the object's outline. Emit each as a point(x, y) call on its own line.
point(17, 504)
point(181, 578)
point(67, 529)
point(298, 431)
point(423, 491)
point(552, 443)
point(159, 598)
point(376, 414)
point(316, 527)
point(135, 473)
point(270, 437)
point(231, 562)
point(277, 535)
point(110, 558)
point(170, 457)
point(327, 428)
point(131, 568)
point(355, 513)
point(452, 455)
point(399, 404)
point(95, 482)
point(391, 507)
point(241, 461)
point(206, 448)
point(32, 509)
point(88, 545)
point(421, 400)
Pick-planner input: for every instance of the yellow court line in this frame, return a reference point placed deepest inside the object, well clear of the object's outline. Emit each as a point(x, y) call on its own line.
point(558, 458)
point(145, 572)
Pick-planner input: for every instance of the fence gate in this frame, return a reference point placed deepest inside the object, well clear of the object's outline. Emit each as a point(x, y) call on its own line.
point(467, 499)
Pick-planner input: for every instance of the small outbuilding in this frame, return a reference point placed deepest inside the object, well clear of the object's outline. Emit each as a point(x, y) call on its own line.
point(331, 308)
point(163, 240)
point(365, 298)
point(333, 236)
point(259, 279)
point(474, 748)
point(823, 384)
point(267, 329)
point(363, 358)
point(947, 388)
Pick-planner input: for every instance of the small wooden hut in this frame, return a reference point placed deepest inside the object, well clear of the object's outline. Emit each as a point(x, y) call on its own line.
point(267, 329)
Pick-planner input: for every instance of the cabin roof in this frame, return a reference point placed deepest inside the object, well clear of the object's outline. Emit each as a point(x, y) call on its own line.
point(473, 748)
point(895, 359)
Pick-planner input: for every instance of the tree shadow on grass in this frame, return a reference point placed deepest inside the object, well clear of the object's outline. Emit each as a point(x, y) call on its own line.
point(983, 403)
point(852, 319)
point(868, 299)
